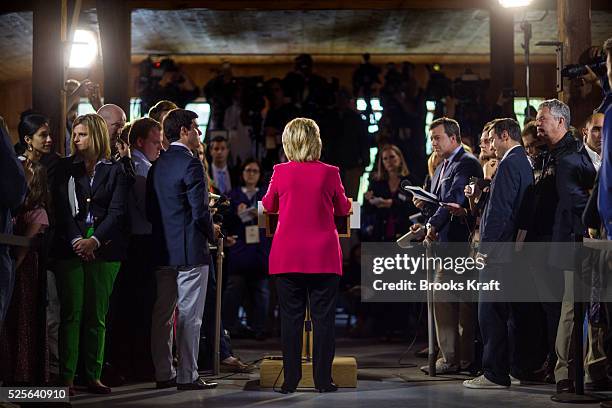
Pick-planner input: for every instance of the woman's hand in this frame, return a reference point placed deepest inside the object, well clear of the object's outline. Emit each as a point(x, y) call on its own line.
point(85, 248)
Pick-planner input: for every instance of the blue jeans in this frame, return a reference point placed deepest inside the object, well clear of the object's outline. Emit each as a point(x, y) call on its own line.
point(259, 292)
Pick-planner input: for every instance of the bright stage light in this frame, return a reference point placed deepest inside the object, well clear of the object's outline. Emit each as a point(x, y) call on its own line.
point(514, 3)
point(84, 49)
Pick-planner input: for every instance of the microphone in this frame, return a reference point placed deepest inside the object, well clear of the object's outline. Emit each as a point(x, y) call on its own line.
point(405, 241)
point(404, 184)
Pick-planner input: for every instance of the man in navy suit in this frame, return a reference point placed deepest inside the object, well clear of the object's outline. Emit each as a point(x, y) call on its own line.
point(511, 192)
point(13, 188)
point(454, 321)
point(177, 207)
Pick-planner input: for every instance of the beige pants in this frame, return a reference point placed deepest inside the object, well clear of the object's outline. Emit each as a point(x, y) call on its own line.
point(455, 325)
point(595, 360)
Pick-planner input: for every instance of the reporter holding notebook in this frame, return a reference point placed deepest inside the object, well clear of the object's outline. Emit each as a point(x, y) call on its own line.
point(306, 258)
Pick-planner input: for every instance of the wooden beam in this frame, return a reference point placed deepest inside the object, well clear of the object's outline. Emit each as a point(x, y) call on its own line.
point(114, 19)
point(48, 65)
point(343, 58)
point(501, 27)
point(574, 22)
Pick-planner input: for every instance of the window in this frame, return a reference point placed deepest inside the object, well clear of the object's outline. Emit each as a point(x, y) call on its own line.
point(519, 107)
point(377, 110)
point(202, 108)
point(85, 108)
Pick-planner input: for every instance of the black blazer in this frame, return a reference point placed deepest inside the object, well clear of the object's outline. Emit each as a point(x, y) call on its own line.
point(510, 196)
point(575, 178)
point(401, 209)
point(451, 190)
point(177, 208)
point(105, 198)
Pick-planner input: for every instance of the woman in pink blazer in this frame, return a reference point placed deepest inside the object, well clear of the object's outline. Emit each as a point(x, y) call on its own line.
point(306, 258)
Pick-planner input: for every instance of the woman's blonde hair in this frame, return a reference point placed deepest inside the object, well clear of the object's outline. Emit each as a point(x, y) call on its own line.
point(432, 163)
point(302, 140)
point(98, 132)
point(381, 172)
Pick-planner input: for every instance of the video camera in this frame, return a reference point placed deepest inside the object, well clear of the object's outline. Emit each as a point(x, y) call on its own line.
point(593, 58)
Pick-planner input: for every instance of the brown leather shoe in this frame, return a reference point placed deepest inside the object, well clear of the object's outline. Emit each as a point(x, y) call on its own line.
point(234, 365)
point(98, 389)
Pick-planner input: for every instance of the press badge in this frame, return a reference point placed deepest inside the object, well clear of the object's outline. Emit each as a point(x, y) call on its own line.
point(251, 234)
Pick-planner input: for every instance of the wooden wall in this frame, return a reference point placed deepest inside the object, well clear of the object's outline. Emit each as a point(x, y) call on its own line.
point(16, 96)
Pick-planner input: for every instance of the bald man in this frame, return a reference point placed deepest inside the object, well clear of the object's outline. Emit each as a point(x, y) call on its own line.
point(115, 120)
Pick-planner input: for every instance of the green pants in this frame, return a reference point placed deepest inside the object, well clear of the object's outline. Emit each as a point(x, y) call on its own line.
point(84, 289)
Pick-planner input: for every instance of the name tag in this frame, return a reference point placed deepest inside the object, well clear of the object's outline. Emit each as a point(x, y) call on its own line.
point(251, 234)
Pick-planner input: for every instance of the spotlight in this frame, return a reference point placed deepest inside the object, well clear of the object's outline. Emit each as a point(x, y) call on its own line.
point(514, 3)
point(84, 49)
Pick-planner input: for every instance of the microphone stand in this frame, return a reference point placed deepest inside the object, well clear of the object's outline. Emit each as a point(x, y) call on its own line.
point(217, 341)
point(431, 327)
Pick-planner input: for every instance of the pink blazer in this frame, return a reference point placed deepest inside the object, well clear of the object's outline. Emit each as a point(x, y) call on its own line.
point(306, 195)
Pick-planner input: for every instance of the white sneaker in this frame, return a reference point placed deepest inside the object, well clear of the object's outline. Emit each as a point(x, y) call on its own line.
point(514, 381)
point(482, 383)
point(442, 367)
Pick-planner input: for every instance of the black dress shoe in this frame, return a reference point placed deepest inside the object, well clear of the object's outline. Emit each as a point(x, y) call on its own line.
point(564, 386)
point(166, 384)
point(198, 384)
point(328, 388)
point(284, 390)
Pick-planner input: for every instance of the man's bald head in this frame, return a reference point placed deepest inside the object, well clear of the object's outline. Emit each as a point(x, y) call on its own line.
point(115, 120)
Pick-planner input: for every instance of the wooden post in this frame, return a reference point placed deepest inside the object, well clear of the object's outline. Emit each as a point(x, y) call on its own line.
point(501, 28)
point(114, 19)
point(574, 22)
point(48, 64)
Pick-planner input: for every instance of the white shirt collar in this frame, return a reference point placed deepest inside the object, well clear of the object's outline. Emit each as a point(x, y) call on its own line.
point(509, 150)
point(595, 158)
point(215, 168)
point(182, 145)
point(454, 153)
point(140, 155)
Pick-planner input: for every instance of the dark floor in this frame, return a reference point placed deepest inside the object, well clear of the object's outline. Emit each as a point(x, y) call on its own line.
point(383, 383)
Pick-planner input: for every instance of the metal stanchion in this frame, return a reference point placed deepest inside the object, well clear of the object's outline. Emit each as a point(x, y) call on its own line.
point(217, 346)
point(431, 327)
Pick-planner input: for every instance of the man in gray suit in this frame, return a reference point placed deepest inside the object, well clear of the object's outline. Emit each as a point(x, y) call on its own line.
point(177, 207)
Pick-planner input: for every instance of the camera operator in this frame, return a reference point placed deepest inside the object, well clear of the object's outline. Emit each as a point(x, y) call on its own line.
point(365, 79)
point(279, 113)
point(308, 91)
point(218, 92)
point(173, 85)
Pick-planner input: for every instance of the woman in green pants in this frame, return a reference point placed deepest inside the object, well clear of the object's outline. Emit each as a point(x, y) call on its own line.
point(90, 194)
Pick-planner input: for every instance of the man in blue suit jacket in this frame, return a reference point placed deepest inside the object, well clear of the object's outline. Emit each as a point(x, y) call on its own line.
point(13, 188)
point(177, 207)
point(454, 321)
point(511, 192)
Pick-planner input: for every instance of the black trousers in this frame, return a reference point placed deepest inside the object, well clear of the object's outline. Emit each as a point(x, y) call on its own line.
point(497, 327)
point(294, 291)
